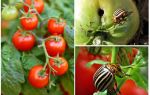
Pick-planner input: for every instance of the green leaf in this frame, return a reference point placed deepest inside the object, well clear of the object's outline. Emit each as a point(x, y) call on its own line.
point(139, 73)
point(123, 56)
point(12, 71)
point(100, 93)
point(68, 84)
point(50, 11)
point(89, 64)
point(37, 51)
point(71, 65)
point(29, 60)
point(27, 89)
point(69, 36)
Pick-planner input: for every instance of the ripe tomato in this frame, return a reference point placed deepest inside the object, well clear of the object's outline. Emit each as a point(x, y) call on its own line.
point(55, 27)
point(9, 13)
point(84, 75)
point(29, 23)
point(60, 65)
point(55, 45)
point(23, 42)
point(130, 88)
point(36, 78)
point(38, 4)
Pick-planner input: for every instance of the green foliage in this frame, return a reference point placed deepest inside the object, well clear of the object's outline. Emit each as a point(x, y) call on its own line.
point(27, 89)
point(69, 37)
point(100, 93)
point(12, 71)
point(89, 64)
point(16, 65)
point(139, 70)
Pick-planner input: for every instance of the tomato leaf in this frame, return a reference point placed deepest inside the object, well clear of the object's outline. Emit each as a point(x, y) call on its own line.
point(69, 36)
point(138, 72)
point(37, 51)
point(12, 71)
point(100, 93)
point(29, 60)
point(27, 89)
point(68, 84)
point(89, 64)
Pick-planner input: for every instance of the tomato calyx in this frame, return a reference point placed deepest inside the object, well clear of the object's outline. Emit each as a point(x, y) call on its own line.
point(27, 15)
point(24, 33)
point(58, 61)
point(42, 73)
point(55, 38)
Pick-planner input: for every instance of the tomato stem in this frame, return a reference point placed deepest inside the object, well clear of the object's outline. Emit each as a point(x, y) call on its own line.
point(114, 55)
point(47, 57)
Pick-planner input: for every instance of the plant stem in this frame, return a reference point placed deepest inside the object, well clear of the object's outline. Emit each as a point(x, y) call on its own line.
point(114, 55)
point(47, 56)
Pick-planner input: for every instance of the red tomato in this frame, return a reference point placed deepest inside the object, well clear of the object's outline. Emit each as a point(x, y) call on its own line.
point(55, 27)
point(37, 78)
point(23, 42)
point(60, 65)
point(130, 88)
point(55, 45)
point(29, 23)
point(84, 75)
point(38, 4)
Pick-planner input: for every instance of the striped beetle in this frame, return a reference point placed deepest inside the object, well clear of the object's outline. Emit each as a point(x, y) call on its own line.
point(104, 77)
point(119, 15)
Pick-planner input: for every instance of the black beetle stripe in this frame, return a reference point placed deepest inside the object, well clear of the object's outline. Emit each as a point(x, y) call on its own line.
point(101, 84)
point(100, 77)
point(111, 79)
point(98, 72)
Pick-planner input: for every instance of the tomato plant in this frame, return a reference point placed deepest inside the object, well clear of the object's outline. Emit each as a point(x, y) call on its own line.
point(26, 69)
point(38, 4)
point(9, 13)
point(29, 23)
point(37, 77)
point(55, 27)
point(60, 65)
point(55, 45)
point(23, 41)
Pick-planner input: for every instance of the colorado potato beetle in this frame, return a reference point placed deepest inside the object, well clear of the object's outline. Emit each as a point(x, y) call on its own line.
point(104, 77)
point(119, 15)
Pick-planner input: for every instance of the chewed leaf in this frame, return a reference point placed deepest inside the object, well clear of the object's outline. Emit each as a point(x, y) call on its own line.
point(89, 64)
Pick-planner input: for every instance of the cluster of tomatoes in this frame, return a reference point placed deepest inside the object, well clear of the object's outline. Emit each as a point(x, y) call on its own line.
point(54, 45)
